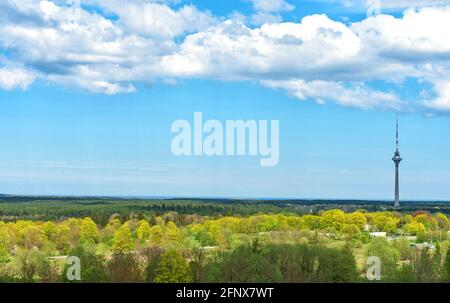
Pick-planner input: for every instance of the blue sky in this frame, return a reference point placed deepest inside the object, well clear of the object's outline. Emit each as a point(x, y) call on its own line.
point(86, 106)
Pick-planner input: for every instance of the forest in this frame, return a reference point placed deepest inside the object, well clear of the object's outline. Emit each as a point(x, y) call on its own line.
point(219, 241)
point(100, 209)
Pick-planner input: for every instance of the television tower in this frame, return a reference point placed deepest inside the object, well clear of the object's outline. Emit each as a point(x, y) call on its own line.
point(397, 159)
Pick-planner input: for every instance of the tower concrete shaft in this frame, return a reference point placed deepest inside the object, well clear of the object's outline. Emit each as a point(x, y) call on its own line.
point(397, 187)
point(397, 159)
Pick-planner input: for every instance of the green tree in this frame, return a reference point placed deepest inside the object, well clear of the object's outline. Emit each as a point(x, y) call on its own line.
point(93, 269)
point(31, 236)
point(384, 221)
point(312, 222)
point(143, 231)
point(28, 263)
point(48, 271)
point(89, 232)
point(337, 266)
point(358, 219)
point(427, 220)
point(123, 239)
point(152, 257)
point(156, 234)
point(442, 221)
point(245, 264)
point(405, 274)
point(414, 228)
point(334, 219)
point(72, 226)
point(204, 237)
point(49, 230)
point(389, 256)
point(124, 268)
point(173, 233)
point(426, 266)
point(446, 266)
point(62, 239)
point(173, 268)
point(403, 247)
point(4, 253)
point(351, 230)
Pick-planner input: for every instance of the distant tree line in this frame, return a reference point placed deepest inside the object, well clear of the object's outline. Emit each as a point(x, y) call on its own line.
point(14, 208)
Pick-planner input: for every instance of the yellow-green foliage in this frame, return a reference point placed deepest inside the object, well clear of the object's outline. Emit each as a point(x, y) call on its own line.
point(89, 231)
point(172, 268)
point(442, 221)
point(49, 230)
point(123, 240)
point(156, 235)
point(414, 228)
point(143, 231)
point(173, 233)
point(383, 221)
point(223, 232)
point(427, 220)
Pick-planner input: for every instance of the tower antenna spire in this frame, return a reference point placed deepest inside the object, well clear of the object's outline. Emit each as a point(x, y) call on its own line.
point(396, 133)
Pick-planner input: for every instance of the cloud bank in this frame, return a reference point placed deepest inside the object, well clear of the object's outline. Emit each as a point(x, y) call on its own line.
point(116, 45)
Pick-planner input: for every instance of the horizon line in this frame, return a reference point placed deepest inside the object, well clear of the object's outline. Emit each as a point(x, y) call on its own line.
point(167, 197)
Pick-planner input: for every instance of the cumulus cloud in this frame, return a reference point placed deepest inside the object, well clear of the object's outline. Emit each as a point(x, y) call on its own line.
point(158, 20)
point(12, 78)
point(441, 103)
point(110, 49)
point(354, 95)
point(388, 5)
point(316, 47)
point(412, 3)
point(91, 52)
point(322, 54)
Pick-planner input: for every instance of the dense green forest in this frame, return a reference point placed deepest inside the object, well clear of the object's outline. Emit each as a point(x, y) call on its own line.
point(219, 241)
point(13, 208)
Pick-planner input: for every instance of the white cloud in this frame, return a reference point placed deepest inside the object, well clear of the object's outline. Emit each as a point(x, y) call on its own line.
point(401, 4)
point(442, 101)
point(355, 95)
point(12, 78)
point(319, 52)
point(318, 58)
point(418, 33)
point(92, 52)
point(316, 47)
point(387, 5)
point(102, 87)
point(157, 20)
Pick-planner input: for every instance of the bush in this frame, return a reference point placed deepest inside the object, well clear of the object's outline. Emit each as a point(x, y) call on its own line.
point(172, 268)
point(152, 256)
point(389, 256)
point(124, 268)
point(48, 271)
point(282, 263)
point(93, 269)
point(28, 263)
